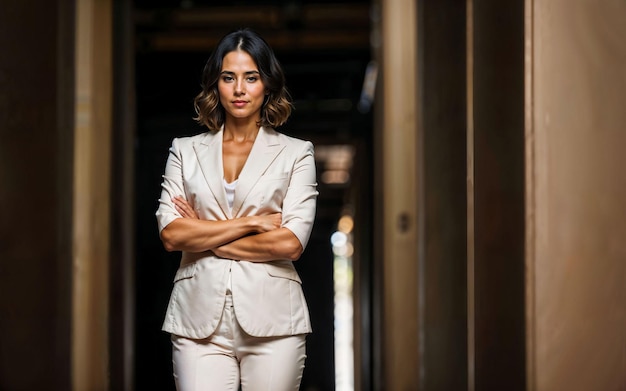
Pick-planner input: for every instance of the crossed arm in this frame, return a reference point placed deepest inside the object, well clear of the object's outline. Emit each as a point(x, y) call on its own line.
point(253, 238)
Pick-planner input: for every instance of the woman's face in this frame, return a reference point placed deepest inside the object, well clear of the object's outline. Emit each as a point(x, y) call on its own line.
point(240, 87)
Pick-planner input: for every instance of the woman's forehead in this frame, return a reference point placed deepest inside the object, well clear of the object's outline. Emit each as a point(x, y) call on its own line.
point(238, 60)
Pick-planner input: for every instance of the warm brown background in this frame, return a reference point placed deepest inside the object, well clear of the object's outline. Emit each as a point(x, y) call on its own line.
point(489, 189)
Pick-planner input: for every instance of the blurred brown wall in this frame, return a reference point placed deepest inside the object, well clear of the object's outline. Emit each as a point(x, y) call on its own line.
point(576, 194)
point(546, 219)
point(35, 193)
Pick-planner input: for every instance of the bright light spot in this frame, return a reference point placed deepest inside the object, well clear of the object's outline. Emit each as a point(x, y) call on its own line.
point(345, 224)
point(338, 239)
point(349, 250)
point(340, 250)
point(343, 281)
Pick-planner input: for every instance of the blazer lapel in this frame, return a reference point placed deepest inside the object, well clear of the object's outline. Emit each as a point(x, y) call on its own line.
point(266, 148)
point(209, 154)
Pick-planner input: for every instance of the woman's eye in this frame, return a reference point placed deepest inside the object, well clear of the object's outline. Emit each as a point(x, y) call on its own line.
point(227, 78)
point(252, 79)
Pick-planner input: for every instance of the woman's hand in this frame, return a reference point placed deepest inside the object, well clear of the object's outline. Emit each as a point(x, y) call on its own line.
point(184, 208)
point(268, 222)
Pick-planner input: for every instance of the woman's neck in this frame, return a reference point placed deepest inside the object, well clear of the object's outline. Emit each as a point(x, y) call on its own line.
point(240, 132)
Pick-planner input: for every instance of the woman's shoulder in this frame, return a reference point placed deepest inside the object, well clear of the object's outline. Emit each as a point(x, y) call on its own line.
point(190, 140)
point(293, 142)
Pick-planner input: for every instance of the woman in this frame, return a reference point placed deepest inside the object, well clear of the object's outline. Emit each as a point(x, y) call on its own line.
point(239, 202)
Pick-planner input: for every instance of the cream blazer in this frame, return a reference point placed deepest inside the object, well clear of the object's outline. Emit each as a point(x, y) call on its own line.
point(278, 176)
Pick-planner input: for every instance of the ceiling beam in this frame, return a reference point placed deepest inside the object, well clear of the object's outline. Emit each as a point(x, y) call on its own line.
point(335, 26)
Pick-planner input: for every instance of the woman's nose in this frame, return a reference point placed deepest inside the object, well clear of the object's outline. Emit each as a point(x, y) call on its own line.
point(239, 88)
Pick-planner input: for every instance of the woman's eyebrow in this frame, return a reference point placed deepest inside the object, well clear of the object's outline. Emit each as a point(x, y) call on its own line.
point(245, 73)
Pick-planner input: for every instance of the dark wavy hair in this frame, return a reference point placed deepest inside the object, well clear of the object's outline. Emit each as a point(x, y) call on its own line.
point(277, 105)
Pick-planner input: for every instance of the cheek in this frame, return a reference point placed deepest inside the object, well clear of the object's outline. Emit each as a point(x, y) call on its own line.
point(222, 91)
point(257, 90)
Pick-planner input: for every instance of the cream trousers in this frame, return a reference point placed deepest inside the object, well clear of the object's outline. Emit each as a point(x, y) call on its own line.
point(231, 357)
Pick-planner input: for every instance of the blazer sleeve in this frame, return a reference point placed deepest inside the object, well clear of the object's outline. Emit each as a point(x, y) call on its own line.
point(171, 187)
point(300, 200)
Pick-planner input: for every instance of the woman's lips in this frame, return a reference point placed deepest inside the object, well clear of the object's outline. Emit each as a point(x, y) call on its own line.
point(239, 103)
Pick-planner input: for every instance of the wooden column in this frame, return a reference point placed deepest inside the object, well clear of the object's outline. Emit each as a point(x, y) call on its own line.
point(400, 135)
point(576, 192)
point(123, 231)
point(36, 94)
point(91, 211)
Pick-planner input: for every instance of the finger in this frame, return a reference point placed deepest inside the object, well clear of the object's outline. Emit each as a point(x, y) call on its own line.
point(181, 211)
point(182, 204)
point(185, 205)
point(185, 208)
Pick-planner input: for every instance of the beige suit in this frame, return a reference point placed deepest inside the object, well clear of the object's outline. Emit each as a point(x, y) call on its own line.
point(279, 176)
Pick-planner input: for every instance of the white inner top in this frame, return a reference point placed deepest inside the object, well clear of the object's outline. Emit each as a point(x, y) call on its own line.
point(230, 198)
point(230, 192)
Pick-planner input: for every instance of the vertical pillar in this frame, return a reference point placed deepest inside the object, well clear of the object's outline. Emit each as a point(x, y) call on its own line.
point(36, 94)
point(576, 187)
point(469, 90)
point(400, 135)
point(123, 238)
point(91, 211)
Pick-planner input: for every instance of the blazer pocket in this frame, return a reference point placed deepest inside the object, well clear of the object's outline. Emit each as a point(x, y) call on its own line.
point(282, 270)
point(185, 272)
